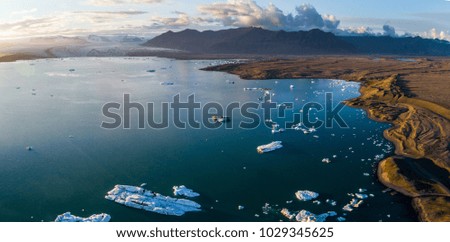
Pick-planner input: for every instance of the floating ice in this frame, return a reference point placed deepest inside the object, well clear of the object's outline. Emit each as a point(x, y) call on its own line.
point(184, 191)
point(140, 198)
point(306, 216)
point(306, 195)
point(361, 195)
point(286, 213)
point(240, 207)
point(340, 219)
point(331, 202)
point(326, 160)
point(269, 147)
point(68, 217)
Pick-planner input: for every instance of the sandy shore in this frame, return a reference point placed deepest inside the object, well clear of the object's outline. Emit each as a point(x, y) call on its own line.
point(412, 95)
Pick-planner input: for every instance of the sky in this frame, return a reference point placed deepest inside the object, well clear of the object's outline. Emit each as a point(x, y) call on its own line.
point(31, 18)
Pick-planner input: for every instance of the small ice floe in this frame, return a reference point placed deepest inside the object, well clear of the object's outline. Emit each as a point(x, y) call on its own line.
point(306, 216)
point(354, 203)
point(256, 215)
point(362, 190)
point(276, 128)
point(143, 184)
point(371, 195)
point(366, 174)
point(29, 148)
point(334, 156)
point(240, 207)
point(291, 87)
point(286, 213)
point(340, 219)
point(269, 147)
point(316, 202)
point(316, 136)
point(220, 119)
point(361, 195)
point(68, 217)
point(166, 83)
point(184, 191)
point(288, 202)
point(326, 160)
point(347, 208)
point(266, 208)
point(331, 202)
point(305, 195)
point(71, 136)
point(140, 198)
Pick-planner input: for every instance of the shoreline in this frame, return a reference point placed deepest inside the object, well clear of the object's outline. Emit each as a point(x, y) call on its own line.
point(420, 128)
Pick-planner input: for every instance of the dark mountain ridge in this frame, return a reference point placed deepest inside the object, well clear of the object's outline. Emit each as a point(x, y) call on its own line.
point(259, 41)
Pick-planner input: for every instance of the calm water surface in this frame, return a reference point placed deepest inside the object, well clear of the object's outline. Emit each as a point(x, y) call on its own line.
point(74, 162)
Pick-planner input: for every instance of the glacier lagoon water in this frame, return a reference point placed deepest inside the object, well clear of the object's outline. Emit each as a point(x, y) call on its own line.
point(74, 162)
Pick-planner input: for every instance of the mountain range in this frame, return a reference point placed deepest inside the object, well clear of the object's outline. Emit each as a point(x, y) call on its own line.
point(258, 41)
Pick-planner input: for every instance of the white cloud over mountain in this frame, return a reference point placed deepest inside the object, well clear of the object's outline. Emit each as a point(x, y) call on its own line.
point(243, 13)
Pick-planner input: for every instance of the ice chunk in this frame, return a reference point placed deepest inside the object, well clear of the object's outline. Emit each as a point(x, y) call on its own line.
point(184, 191)
point(361, 195)
point(306, 216)
point(306, 195)
point(340, 219)
point(240, 207)
point(68, 217)
point(140, 198)
point(269, 147)
point(326, 160)
point(286, 213)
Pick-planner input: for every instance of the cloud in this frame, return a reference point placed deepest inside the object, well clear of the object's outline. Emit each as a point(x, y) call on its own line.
point(72, 23)
point(119, 2)
point(389, 30)
point(182, 20)
point(435, 34)
point(24, 12)
point(244, 13)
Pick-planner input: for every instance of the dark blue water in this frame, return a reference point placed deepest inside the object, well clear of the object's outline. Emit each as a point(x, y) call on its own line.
point(74, 161)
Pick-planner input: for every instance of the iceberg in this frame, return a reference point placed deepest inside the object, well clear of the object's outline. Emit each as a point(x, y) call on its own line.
point(286, 213)
point(269, 147)
point(68, 217)
point(140, 198)
point(306, 216)
point(184, 191)
point(306, 195)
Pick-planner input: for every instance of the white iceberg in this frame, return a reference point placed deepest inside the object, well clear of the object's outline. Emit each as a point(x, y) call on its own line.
point(361, 195)
point(140, 198)
point(306, 216)
point(68, 217)
point(269, 147)
point(184, 191)
point(306, 195)
point(286, 213)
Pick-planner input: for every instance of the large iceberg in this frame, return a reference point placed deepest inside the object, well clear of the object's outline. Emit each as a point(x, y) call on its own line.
point(269, 147)
point(140, 198)
point(68, 217)
point(306, 195)
point(306, 216)
point(184, 191)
